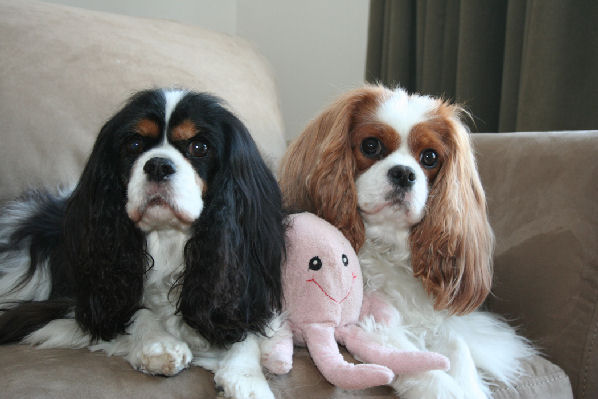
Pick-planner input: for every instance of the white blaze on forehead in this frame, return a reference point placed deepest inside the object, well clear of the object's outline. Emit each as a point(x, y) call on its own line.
point(402, 111)
point(172, 97)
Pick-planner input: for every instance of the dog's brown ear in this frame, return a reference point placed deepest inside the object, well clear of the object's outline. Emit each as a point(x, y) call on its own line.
point(451, 248)
point(318, 171)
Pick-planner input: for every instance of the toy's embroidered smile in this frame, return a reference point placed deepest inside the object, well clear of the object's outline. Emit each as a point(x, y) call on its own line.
point(313, 280)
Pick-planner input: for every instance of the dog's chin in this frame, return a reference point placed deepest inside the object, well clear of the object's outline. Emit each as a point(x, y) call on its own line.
point(398, 213)
point(160, 214)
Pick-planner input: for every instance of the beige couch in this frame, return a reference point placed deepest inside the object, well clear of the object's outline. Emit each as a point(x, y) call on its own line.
point(63, 71)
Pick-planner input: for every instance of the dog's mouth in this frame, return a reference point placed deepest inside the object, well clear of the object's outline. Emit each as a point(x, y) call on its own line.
point(398, 197)
point(158, 201)
point(399, 210)
point(159, 210)
point(372, 209)
point(395, 198)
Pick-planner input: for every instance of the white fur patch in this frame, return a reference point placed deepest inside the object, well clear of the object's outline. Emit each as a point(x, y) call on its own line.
point(59, 333)
point(172, 97)
point(402, 111)
point(240, 371)
point(181, 192)
point(374, 187)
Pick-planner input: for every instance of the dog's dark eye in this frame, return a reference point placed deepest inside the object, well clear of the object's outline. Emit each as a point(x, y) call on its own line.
point(315, 263)
point(371, 147)
point(345, 260)
point(134, 145)
point(428, 158)
point(198, 149)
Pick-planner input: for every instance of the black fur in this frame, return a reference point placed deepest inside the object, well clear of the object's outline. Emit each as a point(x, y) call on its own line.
point(231, 283)
point(98, 259)
point(105, 252)
point(17, 323)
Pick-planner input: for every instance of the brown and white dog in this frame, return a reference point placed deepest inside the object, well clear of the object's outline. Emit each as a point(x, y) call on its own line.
point(397, 175)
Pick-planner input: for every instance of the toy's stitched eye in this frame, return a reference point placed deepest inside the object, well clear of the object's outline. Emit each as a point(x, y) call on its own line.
point(198, 149)
point(134, 145)
point(345, 260)
point(429, 158)
point(315, 263)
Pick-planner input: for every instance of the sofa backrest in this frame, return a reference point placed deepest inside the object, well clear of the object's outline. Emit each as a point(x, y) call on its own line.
point(542, 195)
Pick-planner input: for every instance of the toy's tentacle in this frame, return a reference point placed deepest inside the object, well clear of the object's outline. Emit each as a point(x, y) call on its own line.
point(359, 343)
point(325, 353)
point(277, 350)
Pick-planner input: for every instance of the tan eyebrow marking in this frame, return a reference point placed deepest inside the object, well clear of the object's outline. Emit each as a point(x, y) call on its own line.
point(184, 131)
point(386, 134)
point(148, 128)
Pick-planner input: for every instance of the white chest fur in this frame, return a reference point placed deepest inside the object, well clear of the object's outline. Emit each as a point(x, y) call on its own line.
point(166, 248)
point(387, 270)
point(163, 284)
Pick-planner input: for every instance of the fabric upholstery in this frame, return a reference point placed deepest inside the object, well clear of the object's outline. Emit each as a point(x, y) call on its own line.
point(64, 71)
point(69, 373)
point(542, 191)
point(543, 380)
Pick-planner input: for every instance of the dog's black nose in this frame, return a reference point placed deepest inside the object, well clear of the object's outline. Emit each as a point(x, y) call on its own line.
point(158, 169)
point(402, 176)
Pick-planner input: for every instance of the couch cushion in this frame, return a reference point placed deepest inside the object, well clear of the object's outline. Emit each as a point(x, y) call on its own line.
point(77, 373)
point(542, 380)
point(64, 71)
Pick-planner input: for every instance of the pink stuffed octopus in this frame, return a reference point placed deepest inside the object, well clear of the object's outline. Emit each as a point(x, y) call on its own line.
point(323, 295)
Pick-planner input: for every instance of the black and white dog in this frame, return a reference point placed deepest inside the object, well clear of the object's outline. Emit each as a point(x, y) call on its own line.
point(167, 252)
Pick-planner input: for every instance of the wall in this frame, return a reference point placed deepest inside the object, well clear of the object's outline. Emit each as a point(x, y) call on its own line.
point(317, 48)
point(218, 15)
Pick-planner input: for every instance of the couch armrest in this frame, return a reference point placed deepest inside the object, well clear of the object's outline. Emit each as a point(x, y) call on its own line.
point(542, 198)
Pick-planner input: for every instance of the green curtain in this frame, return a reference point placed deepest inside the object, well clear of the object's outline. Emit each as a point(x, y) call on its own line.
point(517, 65)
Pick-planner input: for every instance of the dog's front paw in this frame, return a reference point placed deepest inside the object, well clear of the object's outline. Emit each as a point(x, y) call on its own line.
point(240, 383)
point(164, 357)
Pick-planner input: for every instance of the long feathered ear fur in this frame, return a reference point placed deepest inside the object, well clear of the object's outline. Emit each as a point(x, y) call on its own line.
point(451, 248)
point(318, 170)
point(105, 252)
point(231, 282)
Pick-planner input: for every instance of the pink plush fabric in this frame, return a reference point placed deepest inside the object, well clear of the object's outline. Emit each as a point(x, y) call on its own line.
point(323, 293)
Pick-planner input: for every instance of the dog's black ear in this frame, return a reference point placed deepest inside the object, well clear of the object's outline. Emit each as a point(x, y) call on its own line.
point(231, 284)
point(105, 252)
